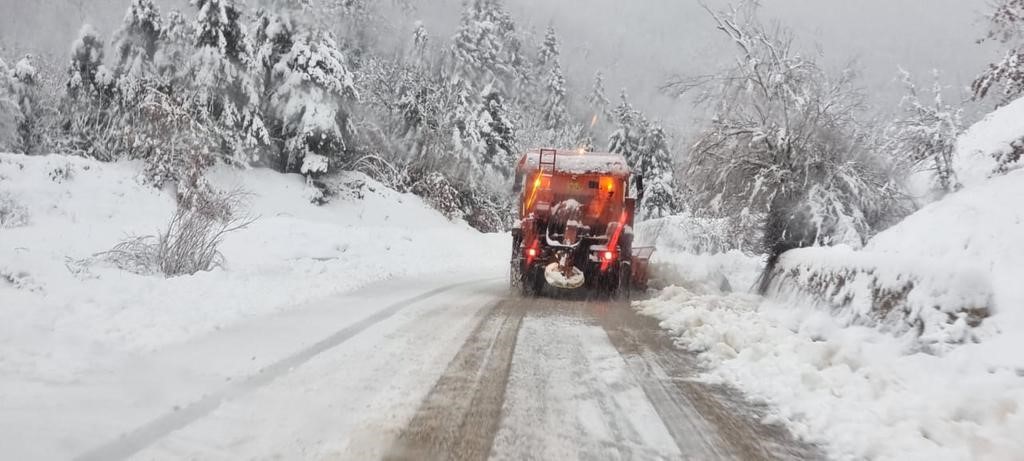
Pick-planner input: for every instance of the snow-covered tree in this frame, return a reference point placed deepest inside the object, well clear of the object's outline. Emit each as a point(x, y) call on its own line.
point(784, 141)
point(924, 135)
point(87, 119)
point(176, 45)
point(496, 133)
point(312, 99)
point(87, 75)
point(486, 47)
point(656, 168)
point(222, 81)
point(23, 88)
point(597, 99)
point(549, 50)
point(631, 127)
point(1006, 26)
point(136, 42)
point(552, 93)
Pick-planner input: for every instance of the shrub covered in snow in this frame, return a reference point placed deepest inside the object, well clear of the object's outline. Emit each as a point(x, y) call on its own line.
point(190, 242)
point(12, 213)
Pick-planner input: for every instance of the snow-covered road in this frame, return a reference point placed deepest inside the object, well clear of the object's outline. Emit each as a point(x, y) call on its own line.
point(439, 367)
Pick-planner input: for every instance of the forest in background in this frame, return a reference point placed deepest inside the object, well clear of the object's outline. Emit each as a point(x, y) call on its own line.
point(789, 156)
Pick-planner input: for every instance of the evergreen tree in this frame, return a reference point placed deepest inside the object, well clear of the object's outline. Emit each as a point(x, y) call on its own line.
point(87, 76)
point(176, 45)
point(312, 98)
point(549, 50)
point(137, 40)
point(630, 131)
point(486, 47)
point(23, 86)
point(656, 169)
point(497, 134)
point(86, 118)
point(274, 36)
point(553, 107)
point(220, 75)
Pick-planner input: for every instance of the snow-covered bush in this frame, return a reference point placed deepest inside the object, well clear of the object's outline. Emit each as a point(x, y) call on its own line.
point(439, 192)
point(190, 242)
point(12, 213)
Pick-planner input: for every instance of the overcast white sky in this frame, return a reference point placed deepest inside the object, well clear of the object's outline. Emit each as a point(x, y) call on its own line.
point(640, 43)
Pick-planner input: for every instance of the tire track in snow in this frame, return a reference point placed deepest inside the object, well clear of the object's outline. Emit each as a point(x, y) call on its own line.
point(450, 426)
point(140, 438)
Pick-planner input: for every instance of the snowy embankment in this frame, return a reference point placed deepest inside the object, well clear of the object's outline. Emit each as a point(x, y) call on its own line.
point(57, 314)
point(909, 349)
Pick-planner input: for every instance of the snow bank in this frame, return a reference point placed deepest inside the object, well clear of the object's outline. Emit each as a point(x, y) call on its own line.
point(935, 303)
point(980, 150)
point(54, 317)
point(853, 390)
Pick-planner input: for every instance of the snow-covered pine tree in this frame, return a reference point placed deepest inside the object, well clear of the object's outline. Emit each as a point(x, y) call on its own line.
point(551, 100)
point(23, 86)
point(656, 169)
point(176, 45)
point(598, 101)
point(273, 36)
point(553, 108)
point(630, 130)
point(86, 118)
point(223, 85)
point(924, 135)
point(312, 98)
point(87, 75)
point(486, 47)
point(8, 107)
point(136, 42)
point(549, 50)
point(1006, 26)
point(461, 120)
point(497, 133)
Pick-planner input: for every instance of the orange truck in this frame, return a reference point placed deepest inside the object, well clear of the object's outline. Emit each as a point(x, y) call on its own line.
point(575, 224)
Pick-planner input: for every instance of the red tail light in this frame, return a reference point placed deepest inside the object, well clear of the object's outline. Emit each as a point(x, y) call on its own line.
point(532, 252)
point(608, 256)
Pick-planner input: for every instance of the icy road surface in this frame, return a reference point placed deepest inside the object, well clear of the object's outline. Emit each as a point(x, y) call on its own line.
point(425, 369)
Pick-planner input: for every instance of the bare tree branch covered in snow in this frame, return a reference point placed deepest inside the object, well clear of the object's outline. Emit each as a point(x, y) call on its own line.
point(1006, 26)
point(925, 134)
point(785, 142)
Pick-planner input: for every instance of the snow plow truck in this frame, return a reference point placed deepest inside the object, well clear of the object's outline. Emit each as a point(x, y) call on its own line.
point(575, 224)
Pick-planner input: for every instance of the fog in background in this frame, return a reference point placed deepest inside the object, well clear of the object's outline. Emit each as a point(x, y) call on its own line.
point(639, 44)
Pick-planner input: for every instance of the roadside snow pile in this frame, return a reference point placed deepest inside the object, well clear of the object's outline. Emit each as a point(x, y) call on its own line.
point(936, 304)
point(853, 390)
point(993, 145)
point(697, 253)
point(54, 311)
